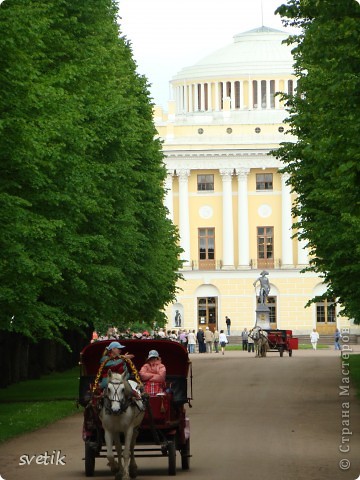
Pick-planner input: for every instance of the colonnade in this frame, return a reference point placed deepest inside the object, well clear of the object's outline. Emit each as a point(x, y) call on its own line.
point(228, 260)
point(250, 94)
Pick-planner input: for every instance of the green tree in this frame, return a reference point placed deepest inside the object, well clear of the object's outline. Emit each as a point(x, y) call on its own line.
point(84, 235)
point(324, 162)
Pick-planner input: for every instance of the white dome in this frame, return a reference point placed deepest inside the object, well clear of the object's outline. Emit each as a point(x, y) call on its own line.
point(256, 52)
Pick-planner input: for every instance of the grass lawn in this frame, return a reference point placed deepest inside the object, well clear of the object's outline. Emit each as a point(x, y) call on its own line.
point(32, 404)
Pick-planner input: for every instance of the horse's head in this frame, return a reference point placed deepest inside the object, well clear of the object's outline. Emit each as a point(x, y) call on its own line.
point(117, 392)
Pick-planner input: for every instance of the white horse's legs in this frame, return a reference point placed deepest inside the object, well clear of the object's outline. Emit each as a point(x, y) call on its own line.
point(114, 466)
point(133, 467)
point(127, 452)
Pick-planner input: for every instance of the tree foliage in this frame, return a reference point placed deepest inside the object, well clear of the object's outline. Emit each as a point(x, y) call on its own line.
point(324, 162)
point(84, 236)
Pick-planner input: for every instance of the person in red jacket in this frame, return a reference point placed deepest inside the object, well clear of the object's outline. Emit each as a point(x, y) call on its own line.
point(153, 374)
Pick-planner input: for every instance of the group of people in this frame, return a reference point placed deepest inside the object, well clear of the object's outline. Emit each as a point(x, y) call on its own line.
point(152, 373)
point(314, 338)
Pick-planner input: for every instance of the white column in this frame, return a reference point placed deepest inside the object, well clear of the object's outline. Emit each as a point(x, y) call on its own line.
point(217, 103)
point(202, 97)
point(168, 199)
point(277, 98)
point(184, 221)
point(243, 218)
point(210, 97)
point(228, 227)
point(303, 252)
point(268, 94)
point(251, 97)
point(191, 106)
point(232, 96)
point(186, 104)
point(241, 94)
point(196, 98)
point(287, 249)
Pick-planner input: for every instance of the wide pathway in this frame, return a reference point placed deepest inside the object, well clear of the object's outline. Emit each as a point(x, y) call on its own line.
point(252, 418)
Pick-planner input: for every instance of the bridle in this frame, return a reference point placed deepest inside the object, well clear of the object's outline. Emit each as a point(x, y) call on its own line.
point(124, 400)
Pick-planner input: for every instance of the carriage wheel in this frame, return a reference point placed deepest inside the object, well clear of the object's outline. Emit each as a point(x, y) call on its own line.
point(185, 455)
point(171, 457)
point(89, 460)
point(281, 350)
point(290, 353)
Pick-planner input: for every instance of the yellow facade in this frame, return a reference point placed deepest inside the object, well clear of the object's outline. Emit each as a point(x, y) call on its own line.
point(227, 196)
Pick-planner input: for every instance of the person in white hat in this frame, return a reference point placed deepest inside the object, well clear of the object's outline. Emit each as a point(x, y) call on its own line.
point(153, 374)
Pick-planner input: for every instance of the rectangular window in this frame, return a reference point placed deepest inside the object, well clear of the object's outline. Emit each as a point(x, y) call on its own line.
point(264, 181)
point(206, 239)
point(271, 303)
point(326, 312)
point(265, 247)
point(205, 182)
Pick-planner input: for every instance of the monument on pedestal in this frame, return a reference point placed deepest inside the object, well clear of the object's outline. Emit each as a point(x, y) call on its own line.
point(262, 310)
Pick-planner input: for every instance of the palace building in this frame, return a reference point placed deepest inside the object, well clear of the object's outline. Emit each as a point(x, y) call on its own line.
point(227, 196)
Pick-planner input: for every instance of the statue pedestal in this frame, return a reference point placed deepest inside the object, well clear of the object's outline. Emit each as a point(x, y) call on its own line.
point(262, 316)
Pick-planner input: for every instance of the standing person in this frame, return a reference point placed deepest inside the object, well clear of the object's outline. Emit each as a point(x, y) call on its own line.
point(337, 338)
point(153, 374)
point(223, 341)
point(191, 341)
point(209, 338)
point(228, 324)
point(244, 337)
point(314, 338)
point(216, 341)
point(201, 340)
point(250, 345)
point(183, 338)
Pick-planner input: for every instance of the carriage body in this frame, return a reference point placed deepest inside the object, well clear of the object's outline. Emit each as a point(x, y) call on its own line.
point(281, 341)
point(165, 428)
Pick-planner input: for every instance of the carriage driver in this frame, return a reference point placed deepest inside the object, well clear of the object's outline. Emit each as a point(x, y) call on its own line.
point(115, 363)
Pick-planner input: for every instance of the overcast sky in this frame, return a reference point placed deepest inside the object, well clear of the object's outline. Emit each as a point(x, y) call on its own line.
point(167, 35)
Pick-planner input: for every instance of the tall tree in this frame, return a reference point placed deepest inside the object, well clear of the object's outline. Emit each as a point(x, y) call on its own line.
point(324, 162)
point(84, 236)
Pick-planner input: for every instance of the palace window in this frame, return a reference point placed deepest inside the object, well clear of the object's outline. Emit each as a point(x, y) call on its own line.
point(290, 87)
point(326, 311)
point(206, 239)
point(271, 303)
point(265, 247)
point(255, 94)
point(237, 94)
point(264, 181)
point(205, 182)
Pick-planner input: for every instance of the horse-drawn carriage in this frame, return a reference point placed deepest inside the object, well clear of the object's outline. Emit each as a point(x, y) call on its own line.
point(273, 340)
point(164, 427)
point(281, 341)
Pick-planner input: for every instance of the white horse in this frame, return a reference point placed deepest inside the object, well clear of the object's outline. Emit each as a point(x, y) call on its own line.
point(260, 340)
point(121, 413)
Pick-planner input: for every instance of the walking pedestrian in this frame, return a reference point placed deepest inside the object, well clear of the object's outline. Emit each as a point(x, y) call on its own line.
point(244, 338)
point(314, 338)
point(209, 338)
point(337, 338)
point(228, 324)
point(191, 341)
point(251, 347)
point(216, 341)
point(201, 340)
point(223, 341)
